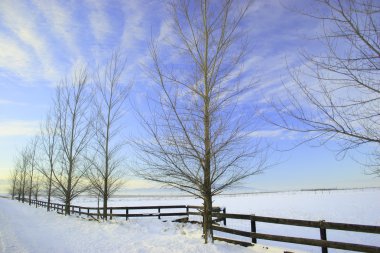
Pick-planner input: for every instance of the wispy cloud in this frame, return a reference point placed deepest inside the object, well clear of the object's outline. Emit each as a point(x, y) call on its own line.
point(62, 25)
point(11, 56)
point(10, 102)
point(141, 184)
point(99, 20)
point(27, 42)
point(267, 133)
point(18, 128)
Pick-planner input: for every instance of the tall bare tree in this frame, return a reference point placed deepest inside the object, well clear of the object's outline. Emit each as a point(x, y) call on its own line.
point(14, 180)
point(50, 151)
point(37, 185)
point(337, 97)
point(31, 150)
point(200, 137)
point(72, 111)
point(106, 171)
point(22, 165)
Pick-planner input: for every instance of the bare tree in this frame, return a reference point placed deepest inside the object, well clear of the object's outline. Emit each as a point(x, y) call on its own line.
point(31, 150)
point(14, 180)
point(340, 89)
point(106, 171)
point(37, 185)
point(72, 110)
point(22, 165)
point(200, 138)
point(50, 151)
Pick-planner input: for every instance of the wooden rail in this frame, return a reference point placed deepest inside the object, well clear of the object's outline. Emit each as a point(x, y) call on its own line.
point(321, 225)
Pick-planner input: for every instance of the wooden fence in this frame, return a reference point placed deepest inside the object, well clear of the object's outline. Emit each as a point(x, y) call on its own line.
point(220, 215)
point(124, 212)
point(321, 225)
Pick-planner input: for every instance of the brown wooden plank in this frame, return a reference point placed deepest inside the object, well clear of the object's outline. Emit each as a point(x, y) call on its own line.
point(148, 207)
point(304, 241)
point(245, 244)
point(148, 214)
point(352, 227)
point(232, 216)
point(195, 213)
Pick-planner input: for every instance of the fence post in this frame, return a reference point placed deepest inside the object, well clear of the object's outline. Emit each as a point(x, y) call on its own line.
point(80, 211)
point(110, 213)
point(88, 212)
point(187, 211)
point(159, 213)
point(253, 227)
point(322, 230)
point(126, 213)
point(225, 219)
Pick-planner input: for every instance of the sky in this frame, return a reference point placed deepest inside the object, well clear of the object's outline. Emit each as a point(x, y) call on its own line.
point(41, 42)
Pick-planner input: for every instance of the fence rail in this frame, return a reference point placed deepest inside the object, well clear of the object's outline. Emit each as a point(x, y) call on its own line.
point(221, 216)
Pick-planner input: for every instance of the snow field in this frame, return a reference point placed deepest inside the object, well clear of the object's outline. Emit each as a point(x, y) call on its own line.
point(359, 206)
point(25, 228)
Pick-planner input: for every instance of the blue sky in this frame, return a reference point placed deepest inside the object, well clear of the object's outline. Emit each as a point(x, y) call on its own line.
point(43, 41)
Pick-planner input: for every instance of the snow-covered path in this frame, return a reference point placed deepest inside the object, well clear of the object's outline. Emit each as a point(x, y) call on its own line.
point(29, 229)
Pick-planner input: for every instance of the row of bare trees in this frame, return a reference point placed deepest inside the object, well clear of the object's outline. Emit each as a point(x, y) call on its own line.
point(199, 136)
point(199, 132)
point(65, 151)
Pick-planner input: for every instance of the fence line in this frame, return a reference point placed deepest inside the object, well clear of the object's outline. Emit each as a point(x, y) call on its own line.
point(98, 211)
point(221, 216)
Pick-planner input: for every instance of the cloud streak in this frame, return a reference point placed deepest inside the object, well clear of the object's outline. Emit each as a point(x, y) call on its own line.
point(19, 128)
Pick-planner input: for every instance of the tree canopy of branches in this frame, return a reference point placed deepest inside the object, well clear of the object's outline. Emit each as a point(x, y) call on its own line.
point(106, 170)
point(199, 138)
point(340, 90)
point(72, 104)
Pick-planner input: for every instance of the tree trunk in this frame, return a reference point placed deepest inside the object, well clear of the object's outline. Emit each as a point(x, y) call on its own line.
point(67, 205)
point(30, 192)
point(13, 191)
point(207, 219)
point(23, 190)
point(49, 190)
point(105, 205)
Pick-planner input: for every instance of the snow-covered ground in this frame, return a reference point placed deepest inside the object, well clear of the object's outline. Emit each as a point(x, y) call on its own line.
point(27, 229)
point(360, 206)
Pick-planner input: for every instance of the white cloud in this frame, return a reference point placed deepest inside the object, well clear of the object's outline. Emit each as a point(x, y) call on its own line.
point(267, 133)
point(9, 102)
point(136, 22)
point(99, 21)
point(141, 184)
point(11, 56)
point(19, 128)
point(62, 24)
point(21, 23)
